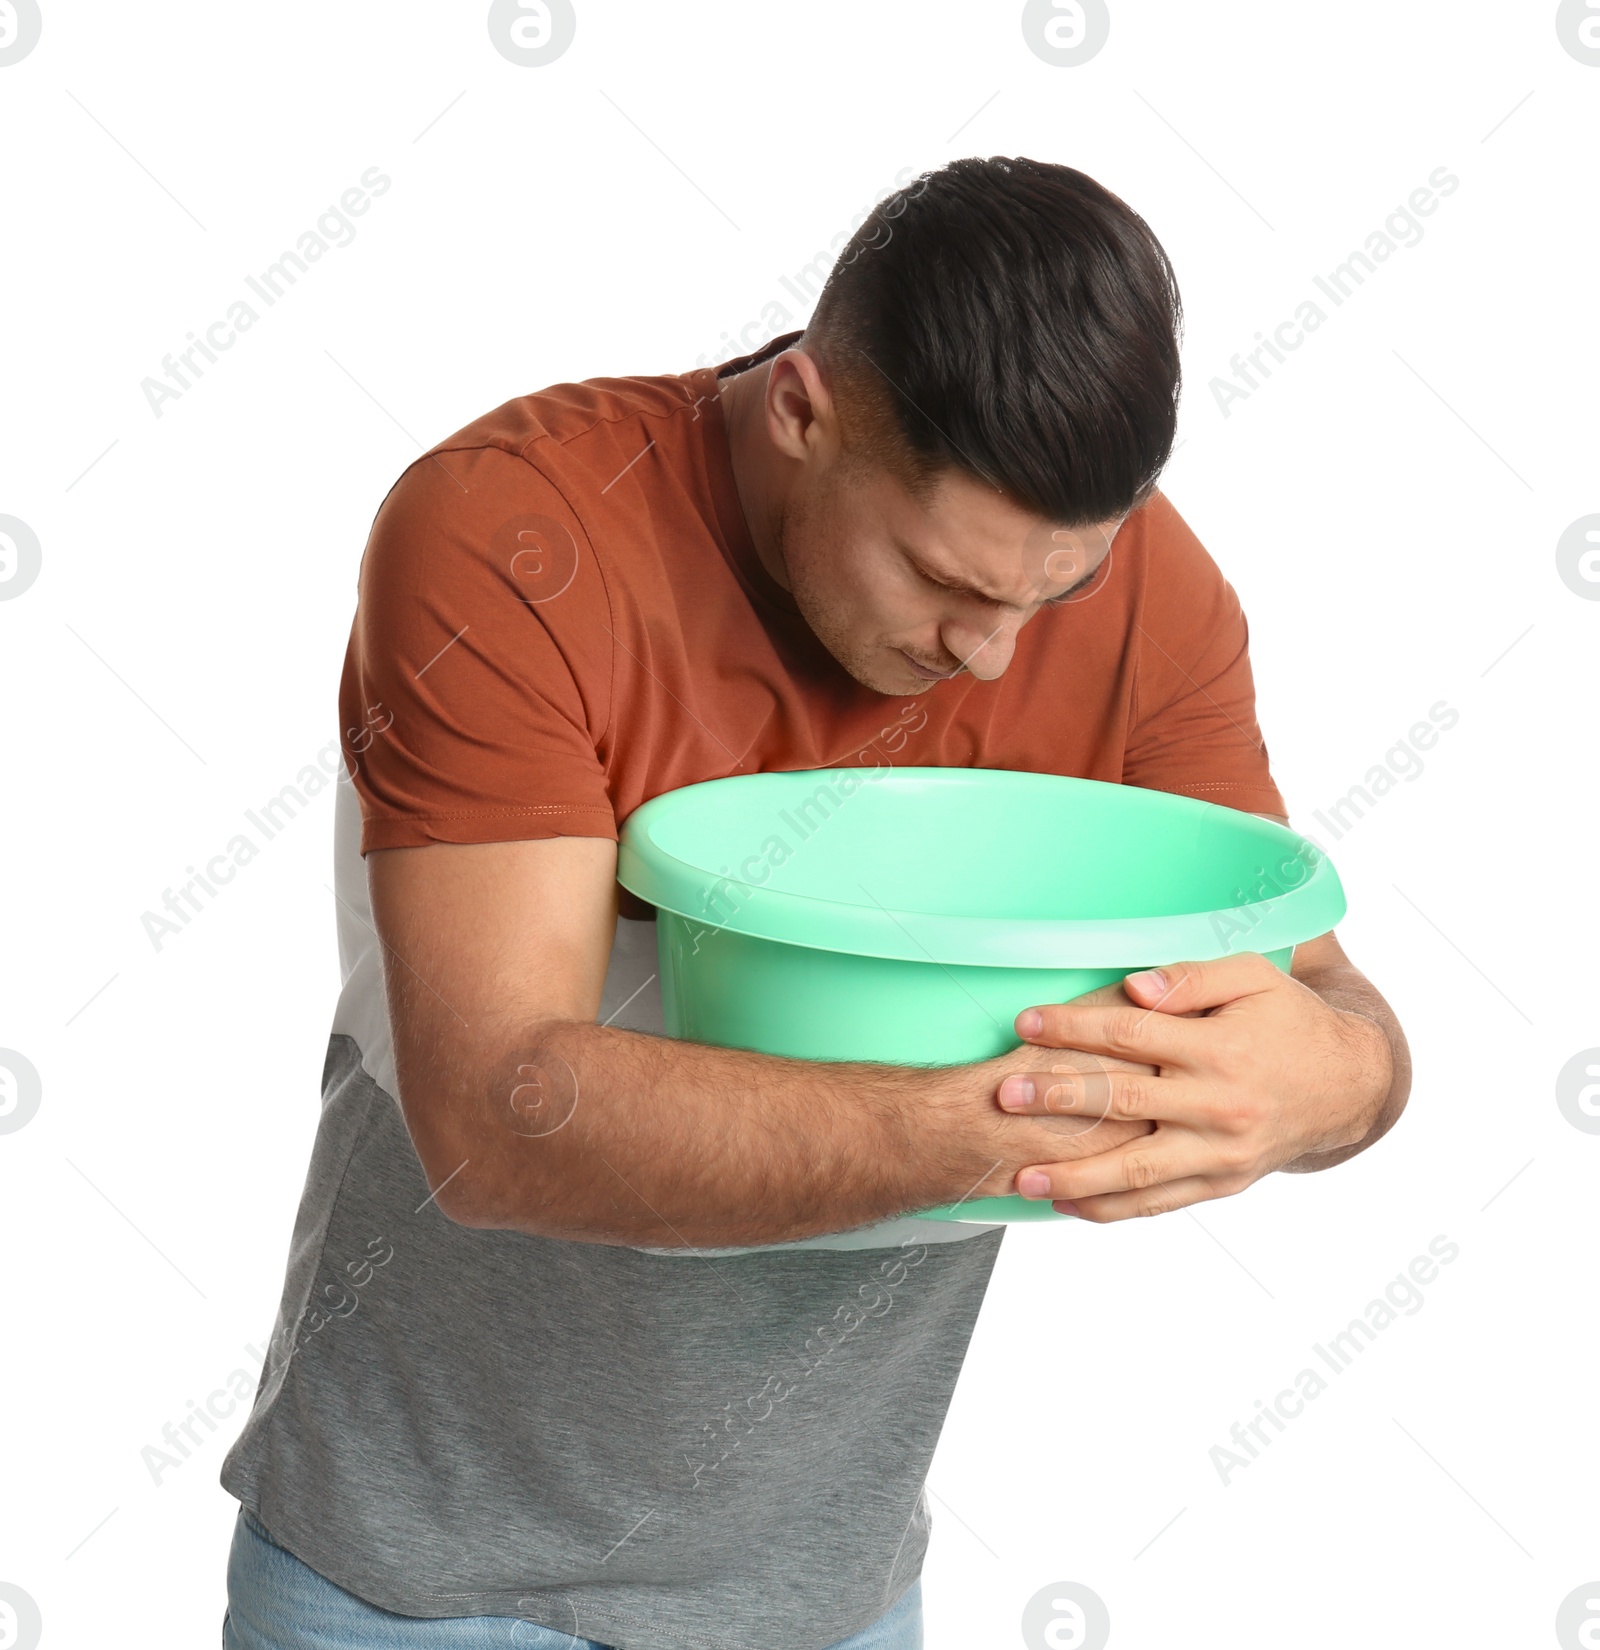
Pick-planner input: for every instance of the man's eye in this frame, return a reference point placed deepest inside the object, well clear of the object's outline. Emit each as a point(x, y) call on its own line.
point(1073, 590)
point(939, 584)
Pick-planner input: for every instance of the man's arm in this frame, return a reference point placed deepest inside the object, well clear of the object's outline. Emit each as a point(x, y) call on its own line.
point(528, 1116)
point(1322, 966)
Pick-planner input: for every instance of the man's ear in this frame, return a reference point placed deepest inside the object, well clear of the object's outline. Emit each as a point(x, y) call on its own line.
point(800, 411)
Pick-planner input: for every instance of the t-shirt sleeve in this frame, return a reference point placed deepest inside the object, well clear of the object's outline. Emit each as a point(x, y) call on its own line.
point(1193, 726)
point(475, 690)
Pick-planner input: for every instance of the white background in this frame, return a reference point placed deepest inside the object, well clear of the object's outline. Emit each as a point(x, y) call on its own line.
point(1387, 506)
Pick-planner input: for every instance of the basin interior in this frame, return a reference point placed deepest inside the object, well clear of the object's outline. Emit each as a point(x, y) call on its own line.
point(971, 842)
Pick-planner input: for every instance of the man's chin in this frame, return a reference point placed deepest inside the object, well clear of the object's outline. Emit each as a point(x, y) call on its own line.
point(885, 676)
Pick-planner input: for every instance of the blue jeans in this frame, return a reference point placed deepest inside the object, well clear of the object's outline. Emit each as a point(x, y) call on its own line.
point(275, 1602)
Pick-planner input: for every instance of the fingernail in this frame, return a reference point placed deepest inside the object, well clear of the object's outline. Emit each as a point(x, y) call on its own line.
point(1063, 1207)
point(1016, 1093)
point(1030, 1022)
point(1033, 1183)
point(1152, 978)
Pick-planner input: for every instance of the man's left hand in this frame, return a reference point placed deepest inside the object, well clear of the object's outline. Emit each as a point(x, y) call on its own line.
point(1254, 1069)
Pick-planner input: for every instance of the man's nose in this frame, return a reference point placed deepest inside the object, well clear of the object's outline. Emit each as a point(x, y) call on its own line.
point(985, 649)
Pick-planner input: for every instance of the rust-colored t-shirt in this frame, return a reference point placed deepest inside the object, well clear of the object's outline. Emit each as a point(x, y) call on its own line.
point(562, 615)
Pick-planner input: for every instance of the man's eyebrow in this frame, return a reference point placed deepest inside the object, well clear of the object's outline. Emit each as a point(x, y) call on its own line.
point(939, 578)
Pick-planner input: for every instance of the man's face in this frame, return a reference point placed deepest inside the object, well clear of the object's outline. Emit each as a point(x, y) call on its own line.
point(904, 594)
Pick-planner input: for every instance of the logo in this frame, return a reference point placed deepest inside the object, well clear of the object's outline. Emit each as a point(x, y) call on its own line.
point(531, 33)
point(1066, 1616)
point(19, 1099)
point(20, 23)
point(1578, 1096)
point(20, 556)
point(1065, 33)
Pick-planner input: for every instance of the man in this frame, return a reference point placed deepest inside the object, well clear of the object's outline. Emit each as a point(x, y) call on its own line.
point(573, 1330)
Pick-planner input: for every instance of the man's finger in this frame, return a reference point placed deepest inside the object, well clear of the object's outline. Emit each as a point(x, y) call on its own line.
point(1128, 1032)
point(1068, 1061)
point(1187, 987)
point(1142, 1165)
point(1108, 996)
point(1127, 1096)
point(1159, 1200)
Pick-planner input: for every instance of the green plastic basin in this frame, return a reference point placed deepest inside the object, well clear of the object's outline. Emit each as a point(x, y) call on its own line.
point(907, 915)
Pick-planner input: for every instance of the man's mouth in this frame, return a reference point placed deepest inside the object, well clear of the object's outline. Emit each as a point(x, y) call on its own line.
point(923, 670)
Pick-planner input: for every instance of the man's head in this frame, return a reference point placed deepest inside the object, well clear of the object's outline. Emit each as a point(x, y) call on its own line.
point(988, 387)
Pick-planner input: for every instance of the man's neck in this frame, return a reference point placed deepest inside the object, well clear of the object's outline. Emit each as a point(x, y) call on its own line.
point(755, 466)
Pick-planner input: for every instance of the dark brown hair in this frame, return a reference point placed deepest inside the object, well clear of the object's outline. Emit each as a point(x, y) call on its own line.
point(1012, 319)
